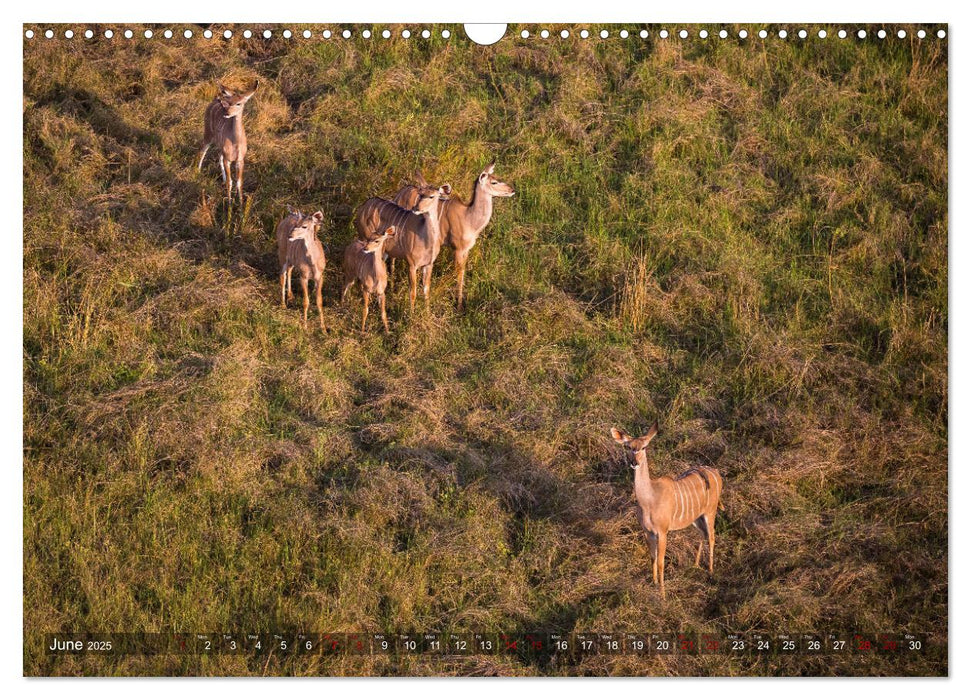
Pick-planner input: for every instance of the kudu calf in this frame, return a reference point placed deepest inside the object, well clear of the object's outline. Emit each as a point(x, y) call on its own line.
point(460, 224)
point(364, 263)
point(224, 130)
point(299, 249)
point(417, 238)
point(665, 504)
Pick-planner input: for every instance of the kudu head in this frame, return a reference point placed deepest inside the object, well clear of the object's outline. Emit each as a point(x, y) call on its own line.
point(306, 228)
point(492, 185)
point(374, 245)
point(233, 102)
point(637, 446)
point(429, 196)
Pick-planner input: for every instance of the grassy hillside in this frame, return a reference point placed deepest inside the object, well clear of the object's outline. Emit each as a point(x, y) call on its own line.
point(744, 239)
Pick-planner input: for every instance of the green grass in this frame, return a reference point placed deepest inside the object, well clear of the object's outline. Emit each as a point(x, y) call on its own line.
point(746, 240)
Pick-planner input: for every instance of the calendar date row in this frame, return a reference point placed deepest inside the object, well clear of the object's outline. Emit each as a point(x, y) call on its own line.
point(524, 644)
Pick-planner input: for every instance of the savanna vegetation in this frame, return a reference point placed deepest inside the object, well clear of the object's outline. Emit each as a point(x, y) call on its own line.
point(745, 239)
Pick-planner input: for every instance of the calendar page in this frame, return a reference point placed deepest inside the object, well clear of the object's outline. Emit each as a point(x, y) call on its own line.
point(433, 350)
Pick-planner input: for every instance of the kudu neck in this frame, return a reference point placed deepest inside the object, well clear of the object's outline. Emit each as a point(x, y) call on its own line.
point(642, 474)
point(480, 208)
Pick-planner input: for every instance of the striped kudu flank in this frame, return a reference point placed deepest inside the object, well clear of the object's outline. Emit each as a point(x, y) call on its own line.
point(224, 130)
point(665, 504)
point(417, 237)
point(461, 223)
point(298, 248)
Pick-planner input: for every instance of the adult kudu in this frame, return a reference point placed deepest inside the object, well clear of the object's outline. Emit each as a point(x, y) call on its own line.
point(224, 130)
point(665, 504)
point(459, 223)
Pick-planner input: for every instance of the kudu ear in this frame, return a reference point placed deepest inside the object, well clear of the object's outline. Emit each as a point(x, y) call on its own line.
point(491, 169)
point(620, 436)
point(318, 216)
point(649, 435)
point(420, 179)
point(445, 189)
point(390, 231)
point(224, 91)
point(250, 93)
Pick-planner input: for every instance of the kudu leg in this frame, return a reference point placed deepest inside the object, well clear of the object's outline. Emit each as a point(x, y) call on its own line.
point(283, 289)
point(347, 288)
point(652, 540)
point(239, 179)
point(290, 285)
point(367, 303)
point(304, 285)
point(391, 275)
point(384, 314)
point(662, 543)
point(710, 523)
point(228, 178)
point(413, 285)
point(222, 167)
point(319, 294)
point(701, 526)
point(426, 284)
point(461, 259)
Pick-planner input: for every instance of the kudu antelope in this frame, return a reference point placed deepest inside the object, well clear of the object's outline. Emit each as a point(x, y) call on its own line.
point(224, 130)
point(665, 504)
point(299, 249)
point(417, 238)
point(364, 263)
point(460, 224)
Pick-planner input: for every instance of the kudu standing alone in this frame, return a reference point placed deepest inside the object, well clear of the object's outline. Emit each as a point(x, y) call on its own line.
point(665, 504)
point(364, 263)
point(224, 130)
point(460, 224)
point(417, 237)
point(299, 249)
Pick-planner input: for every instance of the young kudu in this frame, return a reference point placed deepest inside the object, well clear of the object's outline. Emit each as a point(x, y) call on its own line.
point(417, 239)
point(460, 224)
point(299, 249)
point(224, 130)
point(665, 504)
point(364, 263)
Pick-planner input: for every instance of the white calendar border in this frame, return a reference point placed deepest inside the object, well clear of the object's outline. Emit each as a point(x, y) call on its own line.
point(507, 11)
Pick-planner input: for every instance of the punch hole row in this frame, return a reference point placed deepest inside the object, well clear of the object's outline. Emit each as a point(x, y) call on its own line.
point(245, 33)
point(725, 34)
point(446, 34)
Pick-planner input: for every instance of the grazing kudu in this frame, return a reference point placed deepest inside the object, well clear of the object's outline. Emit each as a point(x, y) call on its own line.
point(460, 224)
point(299, 249)
point(364, 263)
point(417, 239)
point(665, 504)
point(224, 130)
